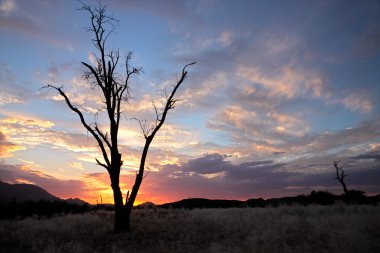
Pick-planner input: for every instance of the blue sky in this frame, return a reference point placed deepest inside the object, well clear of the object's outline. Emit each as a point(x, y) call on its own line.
point(280, 90)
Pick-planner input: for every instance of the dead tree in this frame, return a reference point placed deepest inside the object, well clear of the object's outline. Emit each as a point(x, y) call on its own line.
point(340, 175)
point(114, 89)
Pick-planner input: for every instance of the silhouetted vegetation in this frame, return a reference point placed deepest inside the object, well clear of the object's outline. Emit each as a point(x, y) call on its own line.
point(315, 197)
point(40, 209)
point(340, 175)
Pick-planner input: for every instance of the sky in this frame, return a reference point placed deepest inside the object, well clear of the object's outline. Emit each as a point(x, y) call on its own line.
point(280, 91)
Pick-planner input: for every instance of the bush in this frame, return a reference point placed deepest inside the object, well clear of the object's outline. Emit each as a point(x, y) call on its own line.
point(42, 208)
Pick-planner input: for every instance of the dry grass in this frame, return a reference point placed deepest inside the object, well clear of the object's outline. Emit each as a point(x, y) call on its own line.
point(286, 229)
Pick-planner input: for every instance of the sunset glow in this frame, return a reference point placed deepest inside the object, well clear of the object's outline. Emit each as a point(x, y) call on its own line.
point(280, 90)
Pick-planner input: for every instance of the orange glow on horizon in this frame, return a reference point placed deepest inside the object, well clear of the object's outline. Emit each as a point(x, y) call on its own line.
point(107, 198)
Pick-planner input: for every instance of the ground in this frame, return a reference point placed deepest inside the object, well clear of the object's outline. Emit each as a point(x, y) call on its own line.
point(337, 228)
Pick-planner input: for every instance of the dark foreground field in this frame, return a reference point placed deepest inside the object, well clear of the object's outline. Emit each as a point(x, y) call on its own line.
point(336, 228)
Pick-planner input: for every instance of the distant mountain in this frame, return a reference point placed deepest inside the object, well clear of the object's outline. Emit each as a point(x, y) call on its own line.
point(23, 192)
point(76, 201)
point(31, 192)
point(146, 205)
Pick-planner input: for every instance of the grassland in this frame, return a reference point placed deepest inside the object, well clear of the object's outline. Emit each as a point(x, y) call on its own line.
point(337, 228)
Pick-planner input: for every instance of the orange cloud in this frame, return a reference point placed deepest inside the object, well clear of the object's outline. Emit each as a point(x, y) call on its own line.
point(7, 148)
point(288, 82)
point(30, 132)
point(28, 122)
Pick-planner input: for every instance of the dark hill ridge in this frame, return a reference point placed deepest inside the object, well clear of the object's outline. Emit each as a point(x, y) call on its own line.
point(320, 198)
point(18, 201)
point(29, 192)
point(203, 203)
point(24, 192)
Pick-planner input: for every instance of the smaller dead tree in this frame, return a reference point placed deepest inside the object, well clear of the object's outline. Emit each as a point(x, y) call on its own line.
point(340, 175)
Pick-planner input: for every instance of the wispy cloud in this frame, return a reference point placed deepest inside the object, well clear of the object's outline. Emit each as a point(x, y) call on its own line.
point(7, 147)
point(21, 18)
point(7, 6)
point(32, 132)
point(358, 102)
point(11, 91)
point(288, 83)
point(271, 102)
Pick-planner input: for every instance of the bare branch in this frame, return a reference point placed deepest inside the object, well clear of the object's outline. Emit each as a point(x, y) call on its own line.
point(158, 115)
point(149, 136)
point(95, 74)
point(84, 123)
point(103, 136)
point(101, 164)
point(170, 100)
point(146, 174)
point(340, 175)
point(144, 126)
point(127, 197)
point(115, 90)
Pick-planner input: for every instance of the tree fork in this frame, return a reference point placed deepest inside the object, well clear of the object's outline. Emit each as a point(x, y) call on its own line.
point(115, 91)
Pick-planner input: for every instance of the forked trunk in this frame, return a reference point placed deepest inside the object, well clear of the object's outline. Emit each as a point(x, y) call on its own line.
point(122, 214)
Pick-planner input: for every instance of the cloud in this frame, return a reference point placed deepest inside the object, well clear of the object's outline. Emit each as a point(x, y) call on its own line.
point(208, 164)
point(31, 132)
point(7, 147)
point(262, 85)
point(79, 92)
point(23, 173)
point(214, 176)
point(210, 176)
point(257, 138)
point(340, 140)
point(288, 83)
point(77, 165)
point(204, 92)
point(372, 155)
point(165, 8)
point(11, 91)
point(368, 43)
point(261, 128)
point(274, 72)
point(7, 6)
point(358, 102)
point(26, 18)
point(226, 38)
point(28, 122)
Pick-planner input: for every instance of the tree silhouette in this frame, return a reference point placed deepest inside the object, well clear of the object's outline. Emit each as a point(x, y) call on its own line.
point(114, 89)
point(340, 175)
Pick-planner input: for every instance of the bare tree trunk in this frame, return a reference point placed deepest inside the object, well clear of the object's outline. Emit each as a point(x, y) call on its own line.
point(340, 175)
point(344, 188)
point(149, 134)
point(121, 221)
point(103, 75)
point(122, 216)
